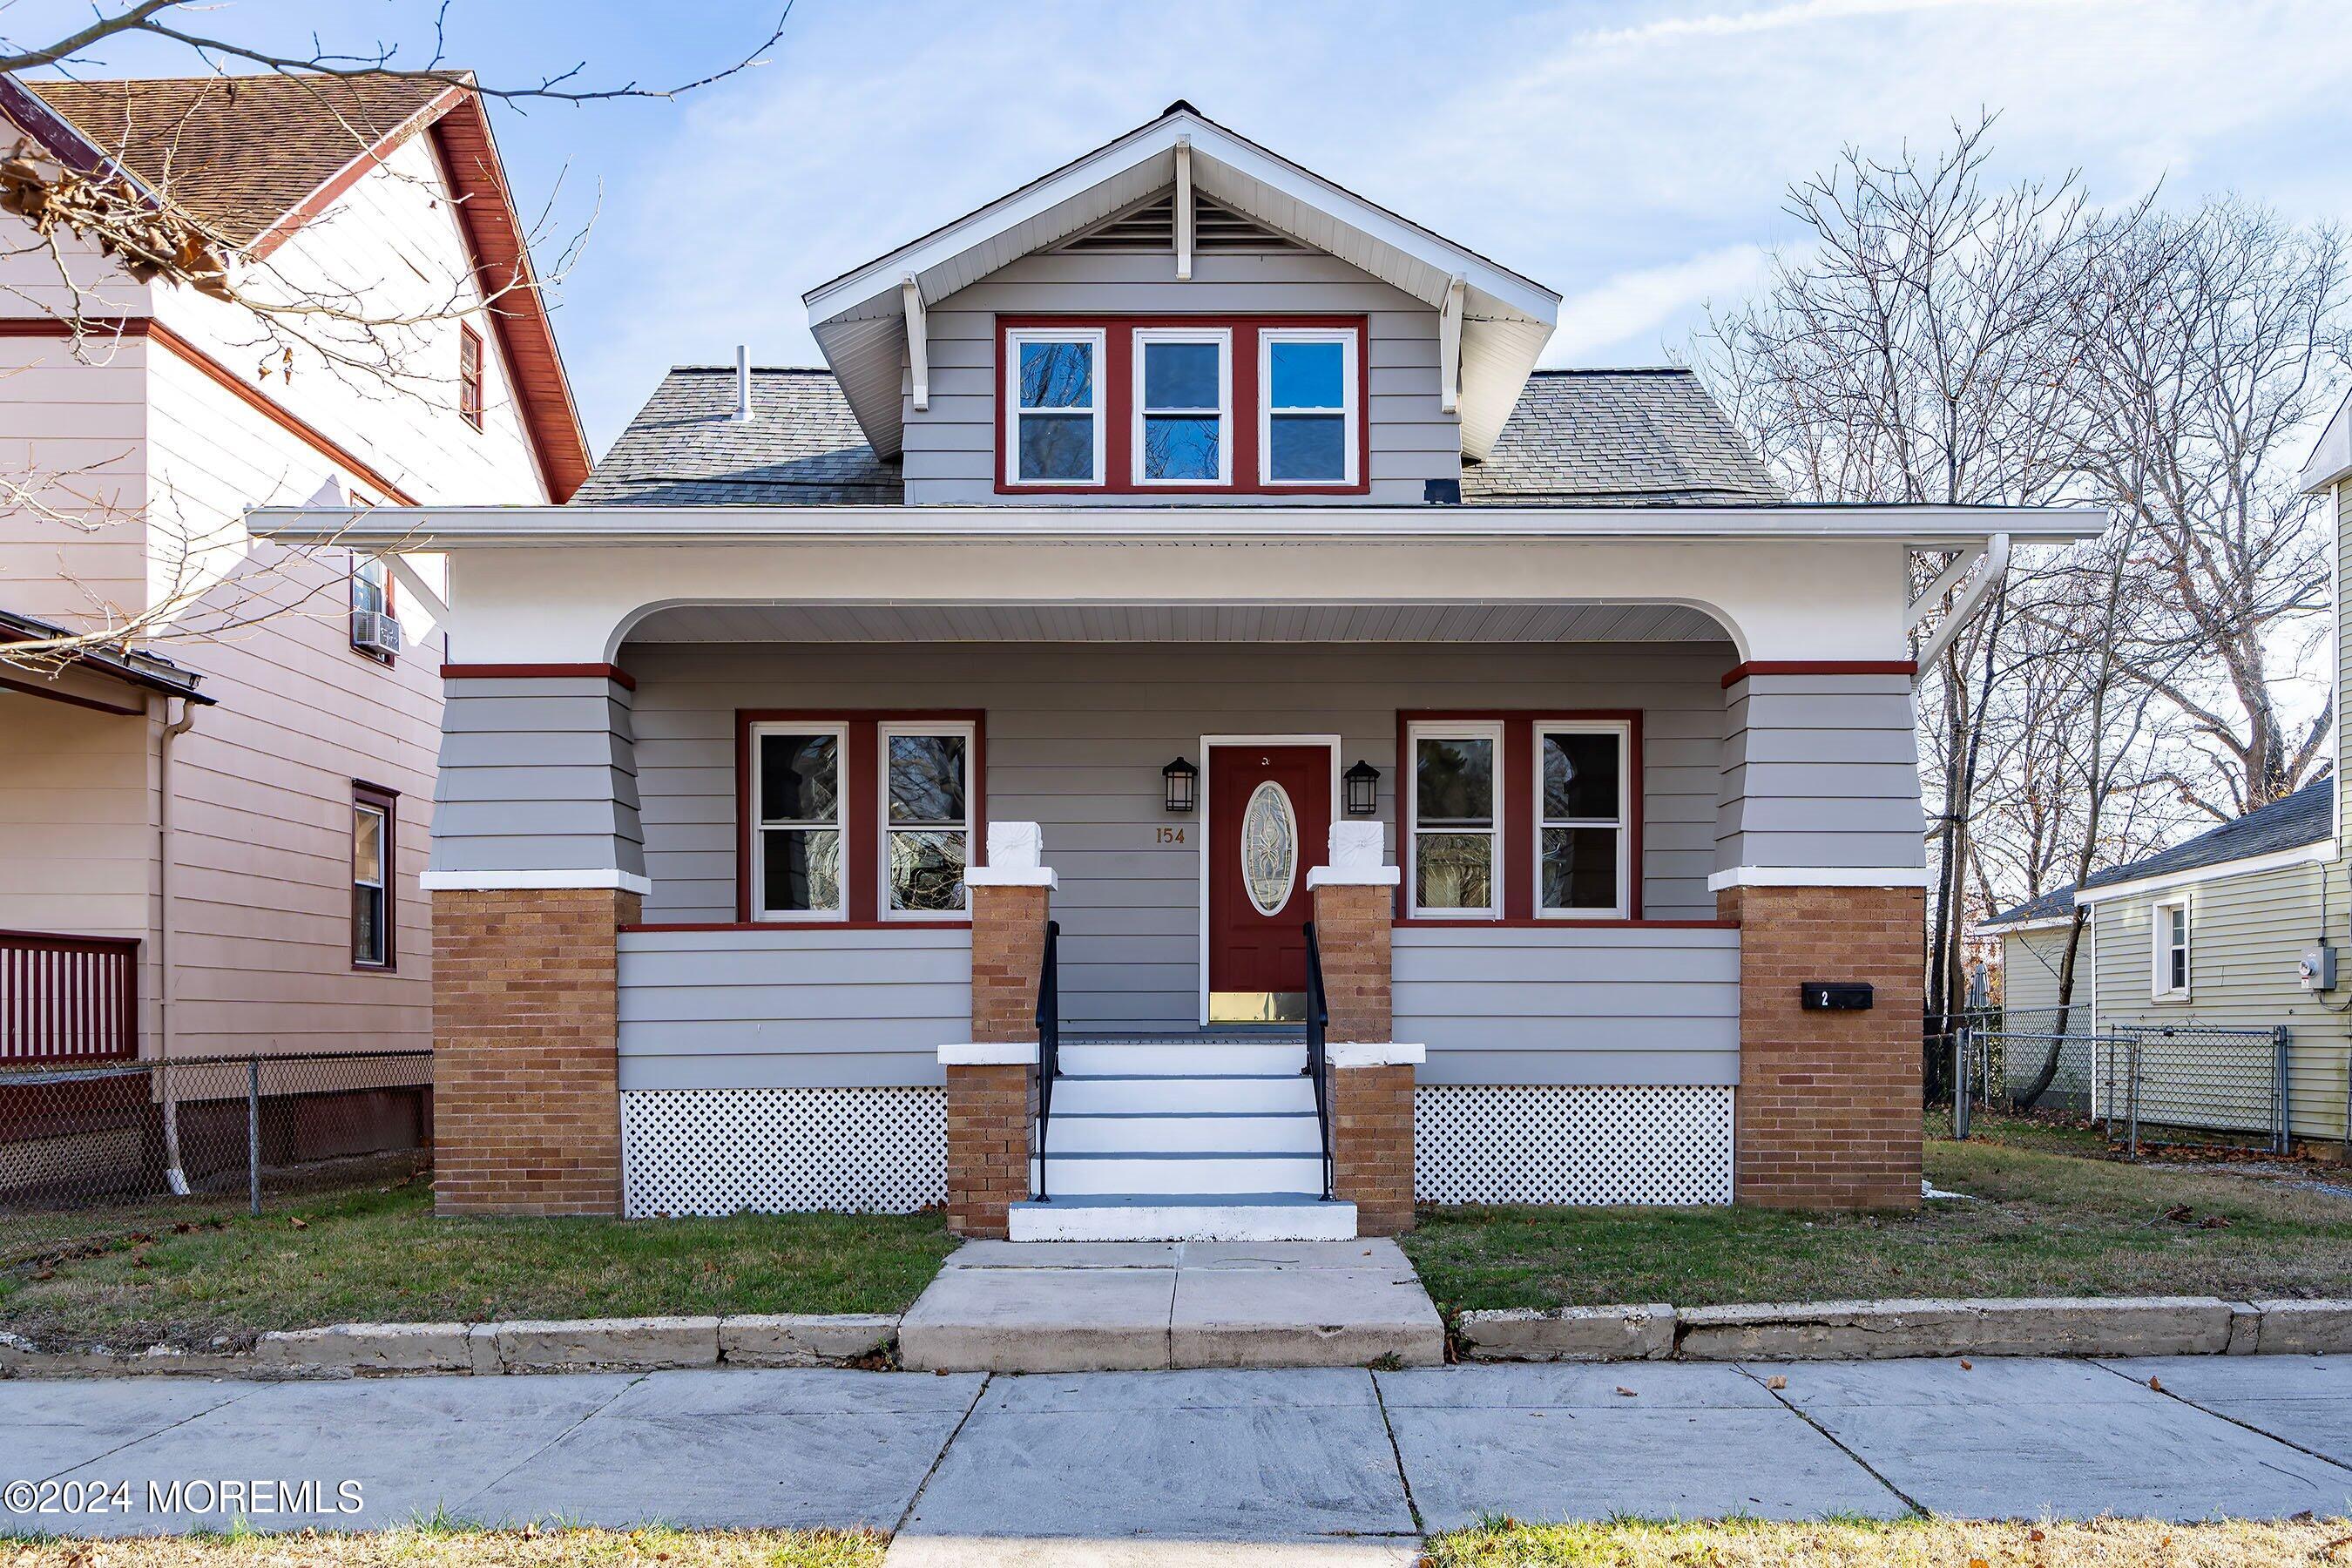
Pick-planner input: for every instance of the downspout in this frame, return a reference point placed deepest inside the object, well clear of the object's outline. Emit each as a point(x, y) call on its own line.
point(174, 1174)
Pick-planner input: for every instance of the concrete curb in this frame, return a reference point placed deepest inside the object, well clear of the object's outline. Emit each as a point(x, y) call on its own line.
point(1864, 1330)
point(583, 1344)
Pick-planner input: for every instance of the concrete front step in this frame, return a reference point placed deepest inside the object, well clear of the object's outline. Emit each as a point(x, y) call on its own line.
point(1185, 1216)
point(1263, 1094)
point(1129, 1059)
point(1126, 1173)
point(1198, 1132)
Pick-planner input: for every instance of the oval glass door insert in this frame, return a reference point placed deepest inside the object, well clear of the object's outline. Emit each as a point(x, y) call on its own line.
point(1269, 848)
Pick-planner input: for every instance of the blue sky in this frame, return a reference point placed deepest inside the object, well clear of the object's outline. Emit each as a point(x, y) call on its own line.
point(1631, 156)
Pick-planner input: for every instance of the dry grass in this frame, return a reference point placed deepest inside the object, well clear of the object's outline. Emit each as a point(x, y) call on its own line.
point(1909, 1543)
point(460, 1548)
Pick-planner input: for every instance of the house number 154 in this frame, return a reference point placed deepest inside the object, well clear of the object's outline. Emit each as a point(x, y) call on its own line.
point(1170, 836)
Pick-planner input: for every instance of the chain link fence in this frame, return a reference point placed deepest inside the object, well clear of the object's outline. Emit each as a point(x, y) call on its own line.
point(212, 1127)
point(2169, 1083)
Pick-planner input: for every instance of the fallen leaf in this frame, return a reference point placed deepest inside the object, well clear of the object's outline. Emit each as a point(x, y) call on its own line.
point(2214, 1221)
point(1978, 1563)
point(2181, 1214)
point(297, 1222)
point(1776, 1382)
point(1627, 1392)
point(2156, 1383)
point(2034, 1535)
point(1966, 1365)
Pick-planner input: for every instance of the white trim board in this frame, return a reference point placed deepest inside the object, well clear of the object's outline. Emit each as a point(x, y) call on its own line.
point(1201, 851)
point(488, 881)
point(2301, 854)
point(1818, 877)
point(2011, 928)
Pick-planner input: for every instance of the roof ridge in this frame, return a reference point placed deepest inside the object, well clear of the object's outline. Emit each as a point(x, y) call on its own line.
point(1613, 370)
point(756, 369)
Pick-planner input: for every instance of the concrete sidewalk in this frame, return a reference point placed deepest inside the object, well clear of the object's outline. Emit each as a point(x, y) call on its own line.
point(1312, 1465)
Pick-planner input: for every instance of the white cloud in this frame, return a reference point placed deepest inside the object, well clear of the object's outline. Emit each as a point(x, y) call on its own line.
point(1634, 305)
point(1804, 13)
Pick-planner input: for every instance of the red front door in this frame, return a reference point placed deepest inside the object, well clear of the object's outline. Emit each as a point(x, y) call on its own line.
point(1269, 819)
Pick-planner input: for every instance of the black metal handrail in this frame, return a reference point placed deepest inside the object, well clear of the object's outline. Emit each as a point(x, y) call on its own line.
point(1049, 1041)
point(1318, 1061)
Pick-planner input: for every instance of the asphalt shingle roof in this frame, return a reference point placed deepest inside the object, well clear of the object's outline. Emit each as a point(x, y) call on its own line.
point(1622, 437)
point(800, 448)
point(239, 153)
point(1626, 437)
point(2049, 906)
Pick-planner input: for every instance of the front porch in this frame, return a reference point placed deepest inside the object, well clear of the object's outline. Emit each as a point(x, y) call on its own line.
point(1535, 1000)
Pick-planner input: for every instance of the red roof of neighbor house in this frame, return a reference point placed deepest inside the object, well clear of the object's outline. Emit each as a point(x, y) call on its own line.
point(252, 158)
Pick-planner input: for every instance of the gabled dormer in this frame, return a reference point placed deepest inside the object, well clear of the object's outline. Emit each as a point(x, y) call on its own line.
point(1182, 317)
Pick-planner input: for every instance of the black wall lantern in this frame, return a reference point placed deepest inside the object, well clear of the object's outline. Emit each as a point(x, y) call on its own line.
point(1182, 780)
point(1363, 783)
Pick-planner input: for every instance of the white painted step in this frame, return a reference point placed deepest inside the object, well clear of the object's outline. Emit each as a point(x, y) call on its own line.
point(1264, 1094)
point(1128, 1058)
point(1295, 1133)
point(1166, 1171)
point(1185, 1216)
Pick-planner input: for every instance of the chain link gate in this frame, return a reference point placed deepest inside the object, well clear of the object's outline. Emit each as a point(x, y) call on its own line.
point(2177, 1076)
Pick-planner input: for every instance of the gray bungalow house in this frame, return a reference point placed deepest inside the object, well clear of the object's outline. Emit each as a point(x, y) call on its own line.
point(1178, 729)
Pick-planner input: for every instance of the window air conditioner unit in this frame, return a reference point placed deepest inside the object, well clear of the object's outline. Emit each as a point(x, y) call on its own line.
point(375, 632)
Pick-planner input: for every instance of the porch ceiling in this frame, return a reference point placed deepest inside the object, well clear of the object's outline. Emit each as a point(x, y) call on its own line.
point(1180, 623)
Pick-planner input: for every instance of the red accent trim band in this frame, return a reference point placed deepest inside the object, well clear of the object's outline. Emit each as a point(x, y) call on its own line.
point(1115, 404)
point(798, 925)
point(1741, 672)
point(1565, 924)
point(611, 672)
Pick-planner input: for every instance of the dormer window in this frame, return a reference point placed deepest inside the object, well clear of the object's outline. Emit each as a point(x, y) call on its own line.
point(1309, 437)
point(1182, 404)
point(1183, 390)
point(1053, 417)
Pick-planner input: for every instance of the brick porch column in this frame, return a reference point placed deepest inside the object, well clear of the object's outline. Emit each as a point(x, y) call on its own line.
point(990, 1094)
point(1372, 1076)
point(1821, 867)
point(538, 860)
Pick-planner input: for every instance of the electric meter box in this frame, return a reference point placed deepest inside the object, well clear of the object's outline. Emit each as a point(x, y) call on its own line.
point(2317, 968)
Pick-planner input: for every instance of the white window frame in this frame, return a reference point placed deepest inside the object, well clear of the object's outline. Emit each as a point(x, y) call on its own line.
point(1224, 340)
point(2161, 949)
point(758, 900)
point(1624, 908)
point(882, 734)
point(381, 885)
point(1411, 831)
point(1014, 337)
point(1350, 412)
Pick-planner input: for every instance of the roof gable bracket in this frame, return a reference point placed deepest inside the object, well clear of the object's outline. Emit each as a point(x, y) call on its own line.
point(1449, 346)
point(416, 587)
point(1924, 605)
point(919, 343)
point(1183, 209)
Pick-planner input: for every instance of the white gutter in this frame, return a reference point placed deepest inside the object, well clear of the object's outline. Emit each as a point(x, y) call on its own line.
point(434, 528)
point(2011, 927)
point(1996, 565)
point(2299, 855)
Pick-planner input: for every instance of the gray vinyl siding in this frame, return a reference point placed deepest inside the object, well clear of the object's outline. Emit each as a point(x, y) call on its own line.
point(949, 453)
point(537, 775)
point(1519, 1004)
point(1076, 736)
point(2030, 966)
point(790, 1007)
point(1821, 771)
point(2245, 933)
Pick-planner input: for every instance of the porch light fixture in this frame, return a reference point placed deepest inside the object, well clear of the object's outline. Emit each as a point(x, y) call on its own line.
point(1363, 783)
point(1182, 780)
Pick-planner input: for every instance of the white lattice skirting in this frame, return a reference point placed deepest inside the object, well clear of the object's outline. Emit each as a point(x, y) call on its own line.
point(1534, 1143)
point(778, 1150)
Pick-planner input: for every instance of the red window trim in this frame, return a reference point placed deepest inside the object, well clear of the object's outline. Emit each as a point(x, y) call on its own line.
point(388, 801)
point(470, 385)
point(1518, 806)
point(1115, 400)
point(861, 813)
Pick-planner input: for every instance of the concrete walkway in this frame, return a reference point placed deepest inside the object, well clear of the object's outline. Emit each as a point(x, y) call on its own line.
point(1311, 1465)
point(1128, 1306)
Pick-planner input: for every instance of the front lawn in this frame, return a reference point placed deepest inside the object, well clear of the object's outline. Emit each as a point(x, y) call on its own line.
point(380, 1256)
point(1905, 1543)
point(2042, 1224)
point(444, 1546)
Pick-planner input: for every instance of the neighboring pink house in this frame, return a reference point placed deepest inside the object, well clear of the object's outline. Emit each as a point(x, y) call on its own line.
point(231, 826)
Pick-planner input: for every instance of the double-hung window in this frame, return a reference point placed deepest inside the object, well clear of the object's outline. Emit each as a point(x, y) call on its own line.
point(1307, 413)
point(1053, 401)
point(796, 842)
point(1456, 780)
point(2168, 976)
point(371, 868)
point(1582, 843)
point(469, 376)
point(1183, 398)
point(926, 838)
